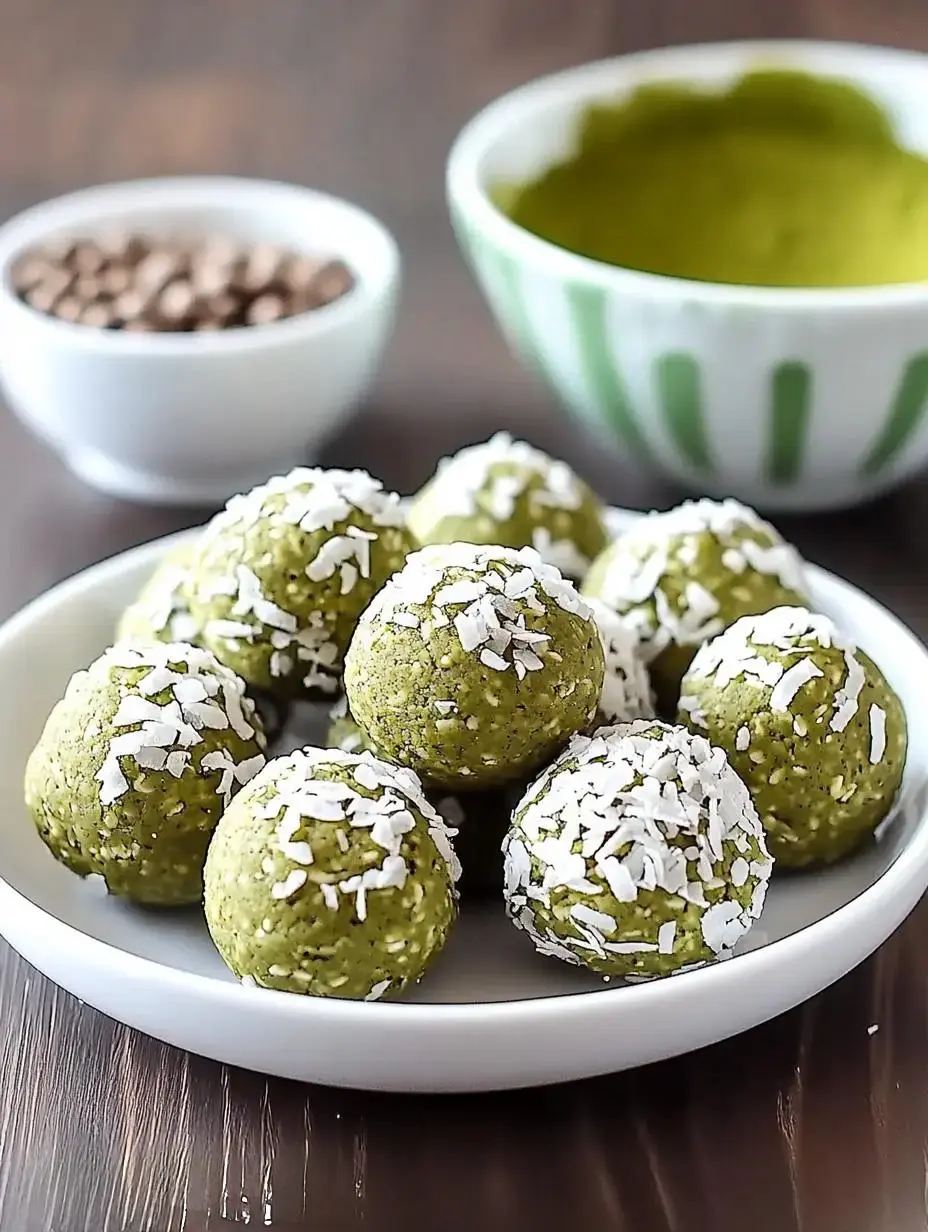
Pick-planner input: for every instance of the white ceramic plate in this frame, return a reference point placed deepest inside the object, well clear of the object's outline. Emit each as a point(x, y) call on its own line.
point(491, 1014)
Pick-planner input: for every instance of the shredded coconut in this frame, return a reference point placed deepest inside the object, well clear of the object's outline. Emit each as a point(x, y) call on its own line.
point(201, 695)
point(496, 592)
point(626, 686)
point(643, 556)
point(636, 807)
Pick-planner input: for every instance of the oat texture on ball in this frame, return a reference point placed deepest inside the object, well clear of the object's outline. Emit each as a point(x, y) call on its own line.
point(474, 665)
point(331, 874)
point(811, 725)
point(282, 574)
point(638, 853)
point(680, 577)
point(505, 492)
point(160, 612)
point(137, 762)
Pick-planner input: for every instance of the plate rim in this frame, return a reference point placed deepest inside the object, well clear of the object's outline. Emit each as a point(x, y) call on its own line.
point(895, 885)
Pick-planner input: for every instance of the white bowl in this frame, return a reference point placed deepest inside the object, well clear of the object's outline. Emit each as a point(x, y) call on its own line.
point(187, 418)
point(492, 1013)
point(788, 399)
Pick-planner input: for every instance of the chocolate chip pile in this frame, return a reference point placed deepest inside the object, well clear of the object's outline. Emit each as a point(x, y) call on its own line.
point(148, 285)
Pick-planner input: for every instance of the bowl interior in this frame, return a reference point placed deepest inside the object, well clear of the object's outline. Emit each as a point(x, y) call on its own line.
point(486, 959)
point(521, 134)
point(309, 222)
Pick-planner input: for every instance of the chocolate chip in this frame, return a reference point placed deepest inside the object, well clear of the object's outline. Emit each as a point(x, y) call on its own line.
point(121, 280)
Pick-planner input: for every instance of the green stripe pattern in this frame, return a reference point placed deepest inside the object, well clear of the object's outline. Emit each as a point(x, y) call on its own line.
point(678, 435)
point(679, 392)
point(790, 389)
point(905, 415)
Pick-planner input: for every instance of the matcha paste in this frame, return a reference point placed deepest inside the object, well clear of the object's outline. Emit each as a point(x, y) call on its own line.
point(784, 180)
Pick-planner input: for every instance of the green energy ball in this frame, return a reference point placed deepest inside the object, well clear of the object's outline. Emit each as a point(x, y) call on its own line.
point(505, 492)
point(331, 874)
point(474, 665)
point(680, 577)
point(160, 612)
point(478, 819)
point(282, 574)
point(136, 764)
point(637, 853)
point(627, 691)
point(810, 724)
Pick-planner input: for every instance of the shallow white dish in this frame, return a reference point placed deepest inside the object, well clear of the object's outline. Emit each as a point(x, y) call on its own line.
point(492, 1014)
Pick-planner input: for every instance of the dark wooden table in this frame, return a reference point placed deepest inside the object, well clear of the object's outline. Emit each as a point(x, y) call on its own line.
point(815, 1122)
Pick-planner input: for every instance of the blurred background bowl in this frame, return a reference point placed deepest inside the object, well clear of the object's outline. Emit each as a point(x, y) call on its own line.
point(788, 399)
point(191, 418)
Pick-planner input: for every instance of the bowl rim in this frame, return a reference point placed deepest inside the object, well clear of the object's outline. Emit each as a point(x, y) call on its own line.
point(466, 192)
point(72, 211)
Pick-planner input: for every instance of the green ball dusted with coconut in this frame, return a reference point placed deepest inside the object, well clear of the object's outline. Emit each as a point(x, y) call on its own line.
point(474, 665)
point(137, 762)
point(505, 492)
point(331, 874)
point(282, 574)
point(680, 577)
point(811, 725)
point(627, 693)
point(480, 818)
point(637, 853)
point(160, 612)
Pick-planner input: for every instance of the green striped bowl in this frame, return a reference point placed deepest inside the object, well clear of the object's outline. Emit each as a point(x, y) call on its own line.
point(787, 399)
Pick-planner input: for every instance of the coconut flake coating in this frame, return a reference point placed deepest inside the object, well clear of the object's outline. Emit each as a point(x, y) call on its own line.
point(282, 574)
point(681, 577)
point(811, 725)
point(136, 764)
point(627, 691)
point(474, 665)
point(637, 853)
point(505, 492)
point(331, 874)
point(160, 612)
point(480, 818)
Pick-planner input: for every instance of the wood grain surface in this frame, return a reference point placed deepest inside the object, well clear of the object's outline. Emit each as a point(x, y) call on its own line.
point(816, 1122)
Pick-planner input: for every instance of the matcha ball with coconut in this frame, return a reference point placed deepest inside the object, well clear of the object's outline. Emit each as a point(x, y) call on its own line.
point(637, 853)
point(474, 665)
point(160, 612)
point(627, 693)
point(136, 764)
point(505, 492)
point(480, 818)
point(331, 874)
point(680, 577)
point(811, 725)
point(282, 574)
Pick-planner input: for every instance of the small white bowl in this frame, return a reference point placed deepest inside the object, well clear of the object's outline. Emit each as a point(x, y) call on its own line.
point(787, 398)
point(189, 417)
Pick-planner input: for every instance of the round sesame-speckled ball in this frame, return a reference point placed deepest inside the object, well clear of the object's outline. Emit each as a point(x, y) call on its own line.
point(627, 691)
point(282, 574)
point(680, 577)
point(474, 665)
point(811, 725)
point(478, 819)
point(638, 853)
point(505, 492)
point(331, 874)
point(160, 612)
point(136, 764)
